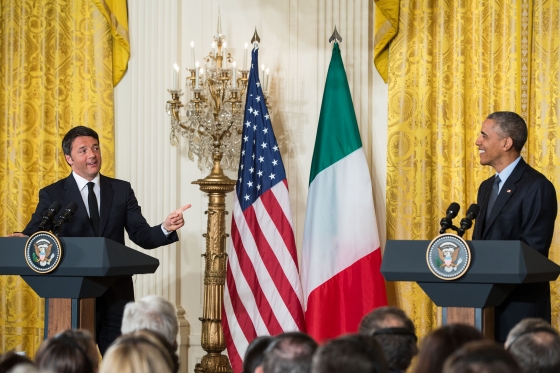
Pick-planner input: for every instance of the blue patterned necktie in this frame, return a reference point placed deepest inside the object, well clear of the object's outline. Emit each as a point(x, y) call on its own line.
point(493, 195)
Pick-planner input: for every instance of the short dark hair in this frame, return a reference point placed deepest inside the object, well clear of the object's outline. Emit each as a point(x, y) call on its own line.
point(10, 360)
point(255, 353)
point(289, 353)
point(536, 346)
point(511, 125)
point(355, 353)
point(76, 132)
point(441, 343)
point(69, 351)
point(398, 344)
point(481, 356)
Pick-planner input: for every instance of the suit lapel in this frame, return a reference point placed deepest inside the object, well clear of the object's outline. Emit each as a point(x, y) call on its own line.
point(508, 189)
point(73, 194)
point(106, 202)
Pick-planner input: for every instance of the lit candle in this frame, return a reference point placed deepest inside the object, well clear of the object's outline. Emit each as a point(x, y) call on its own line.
point(192, 52)
point(234, 82)
point(262, 75)
point(245, 58)
point(196, 77)
point(266, 81)
point(175, 76)
point(224, 50)
point(214, 48)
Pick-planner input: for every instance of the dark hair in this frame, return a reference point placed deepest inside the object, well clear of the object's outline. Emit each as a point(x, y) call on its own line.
point(11, 359)
point(71, 351)
point(289, 353)
point(511, 125)
point(535, 344)
point(441, 343)
point(255, 353)
point(76, 132)
point(481, 356)
point(351, 353)
point(398, 343)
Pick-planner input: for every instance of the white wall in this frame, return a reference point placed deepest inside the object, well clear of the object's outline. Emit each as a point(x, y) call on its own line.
point(294, 44)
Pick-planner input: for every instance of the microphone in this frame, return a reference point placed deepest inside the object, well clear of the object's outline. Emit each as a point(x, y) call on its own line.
point(451, 212)
point(64, 217)
point(466, 222)
point(48, 216)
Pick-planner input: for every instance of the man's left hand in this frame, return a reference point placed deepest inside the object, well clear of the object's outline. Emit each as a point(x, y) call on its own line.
point(175, 220)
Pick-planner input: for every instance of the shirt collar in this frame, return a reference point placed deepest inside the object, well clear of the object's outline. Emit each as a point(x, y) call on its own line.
point(83, 182)
point(506, 172)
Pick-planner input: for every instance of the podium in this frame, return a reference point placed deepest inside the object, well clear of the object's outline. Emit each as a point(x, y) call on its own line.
point(496, 268)
point(89, 266)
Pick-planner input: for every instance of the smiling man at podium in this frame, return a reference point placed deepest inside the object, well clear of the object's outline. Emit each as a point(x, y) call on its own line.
point(518, 203)
point(106, 208)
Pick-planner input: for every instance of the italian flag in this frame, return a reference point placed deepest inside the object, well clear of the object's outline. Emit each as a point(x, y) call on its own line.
point(341, 250)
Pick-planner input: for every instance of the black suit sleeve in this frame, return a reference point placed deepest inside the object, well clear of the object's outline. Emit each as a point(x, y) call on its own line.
point(539, 212)
point(139, 231)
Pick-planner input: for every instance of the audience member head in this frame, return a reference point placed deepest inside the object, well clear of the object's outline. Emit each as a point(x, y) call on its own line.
point(10, 360)
point(255, 353)
point(72, 351)
point(441, 343)
point(288, 353)
point(142, 351)
point(395, 333)
point(354, 353)
point(481, 357)
point(152, 312)
point(535, 344)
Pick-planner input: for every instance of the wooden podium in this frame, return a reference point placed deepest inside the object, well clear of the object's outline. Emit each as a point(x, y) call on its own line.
point(89, 266)
point(496, 268)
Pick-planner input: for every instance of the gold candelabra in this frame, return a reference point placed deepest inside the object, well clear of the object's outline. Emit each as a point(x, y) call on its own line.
point(212, 127)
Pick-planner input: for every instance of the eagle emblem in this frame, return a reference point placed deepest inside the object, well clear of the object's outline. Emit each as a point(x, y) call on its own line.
point(448, 254)
point(42, 254)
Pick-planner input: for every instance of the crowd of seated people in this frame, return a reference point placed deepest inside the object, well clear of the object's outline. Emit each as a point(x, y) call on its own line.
point(386, 342)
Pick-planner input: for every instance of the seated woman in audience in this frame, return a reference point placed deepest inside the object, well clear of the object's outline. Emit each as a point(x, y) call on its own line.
point(441, 343)
point(11, 360)
point(72, 351)
point(142, 351)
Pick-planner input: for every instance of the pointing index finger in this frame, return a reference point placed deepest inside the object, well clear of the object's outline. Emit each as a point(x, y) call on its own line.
point(181, 209)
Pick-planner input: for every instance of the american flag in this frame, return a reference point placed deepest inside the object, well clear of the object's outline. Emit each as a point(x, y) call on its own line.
point(263, 294)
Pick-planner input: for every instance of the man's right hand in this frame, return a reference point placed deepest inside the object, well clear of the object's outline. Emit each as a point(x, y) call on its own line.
point(16, 234)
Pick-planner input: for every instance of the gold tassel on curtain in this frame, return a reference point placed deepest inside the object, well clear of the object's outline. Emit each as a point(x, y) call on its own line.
point(450, 65)
point(56, 72)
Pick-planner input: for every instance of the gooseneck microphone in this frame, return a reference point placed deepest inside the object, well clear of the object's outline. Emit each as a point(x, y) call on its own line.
point(64, 217)
point(48, 216)
point(447, 222)
point(466, 222)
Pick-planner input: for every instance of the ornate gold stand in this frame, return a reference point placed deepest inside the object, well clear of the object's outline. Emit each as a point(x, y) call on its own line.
point(217, 185)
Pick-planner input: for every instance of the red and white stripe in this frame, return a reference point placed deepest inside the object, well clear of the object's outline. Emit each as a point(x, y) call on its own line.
point(263, 293)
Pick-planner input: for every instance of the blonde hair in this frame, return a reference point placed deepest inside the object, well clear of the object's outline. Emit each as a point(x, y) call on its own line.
point(138, 352)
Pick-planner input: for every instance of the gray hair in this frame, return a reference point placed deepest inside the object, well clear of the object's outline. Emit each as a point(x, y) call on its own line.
point(154, 313)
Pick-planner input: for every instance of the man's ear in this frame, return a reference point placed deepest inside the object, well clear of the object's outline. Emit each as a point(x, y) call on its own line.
point(68, 159)
point(259, 369)
point(508, 144)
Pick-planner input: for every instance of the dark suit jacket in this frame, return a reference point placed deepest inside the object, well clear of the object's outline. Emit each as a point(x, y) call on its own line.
point(524, 210)
point(119, 211)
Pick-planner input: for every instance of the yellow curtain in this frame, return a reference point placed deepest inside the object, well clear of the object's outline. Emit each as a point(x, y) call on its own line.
point(451, 64)
point(56, 72)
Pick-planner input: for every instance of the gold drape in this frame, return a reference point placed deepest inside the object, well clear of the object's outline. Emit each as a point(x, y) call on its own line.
point(451, 64)
point(55, 73)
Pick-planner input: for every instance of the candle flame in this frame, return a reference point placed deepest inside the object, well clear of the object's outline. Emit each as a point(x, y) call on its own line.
point(176, 67)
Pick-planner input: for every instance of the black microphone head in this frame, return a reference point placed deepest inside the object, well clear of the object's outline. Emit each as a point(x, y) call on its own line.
point(71, 208)
point(453, 210)
point(55, 207)
point(473, 211)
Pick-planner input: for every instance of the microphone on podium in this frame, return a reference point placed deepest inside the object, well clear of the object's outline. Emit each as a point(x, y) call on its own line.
point(447, 222)
point(64, 217)
point(48, 216)
point(466, 222)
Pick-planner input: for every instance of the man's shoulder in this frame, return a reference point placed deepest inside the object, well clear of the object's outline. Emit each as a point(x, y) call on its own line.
point(531, 176)
point(118, 183)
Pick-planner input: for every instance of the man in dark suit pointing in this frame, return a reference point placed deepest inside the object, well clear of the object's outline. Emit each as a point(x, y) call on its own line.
point(106, 208)
point(518, 203)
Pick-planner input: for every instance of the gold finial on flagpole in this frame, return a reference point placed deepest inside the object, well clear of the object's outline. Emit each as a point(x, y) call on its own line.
point(255, 37)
